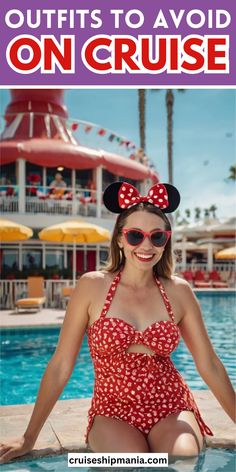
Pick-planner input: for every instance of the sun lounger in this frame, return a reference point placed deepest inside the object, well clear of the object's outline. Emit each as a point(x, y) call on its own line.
point(188, 275)
point(200, 281)
point(202, 284)
point(65, 295)
point(217, 282)
point(36, 298)
point(220, 284)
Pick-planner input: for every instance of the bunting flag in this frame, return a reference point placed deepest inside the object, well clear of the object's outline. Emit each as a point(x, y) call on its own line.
point(137, 154)
point(74, 126)
point(102, 132)
point(88, 128)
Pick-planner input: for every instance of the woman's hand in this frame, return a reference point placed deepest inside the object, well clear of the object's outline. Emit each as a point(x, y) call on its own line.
point(14, 448)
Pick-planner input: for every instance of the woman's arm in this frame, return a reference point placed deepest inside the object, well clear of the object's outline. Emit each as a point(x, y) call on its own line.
point(207, 362)
point(58, 370)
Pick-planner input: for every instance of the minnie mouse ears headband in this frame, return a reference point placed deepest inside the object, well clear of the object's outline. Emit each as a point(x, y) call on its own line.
point(120, 196)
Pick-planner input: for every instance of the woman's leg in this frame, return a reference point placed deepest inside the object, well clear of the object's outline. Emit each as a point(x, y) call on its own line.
point(178, 434)
point(112, 435)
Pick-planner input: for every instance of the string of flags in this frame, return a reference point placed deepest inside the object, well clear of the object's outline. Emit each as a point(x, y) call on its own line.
point(103, 132)
point(137, 154)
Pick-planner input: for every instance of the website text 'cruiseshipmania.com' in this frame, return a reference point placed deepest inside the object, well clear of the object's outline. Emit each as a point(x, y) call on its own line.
point(117, 459)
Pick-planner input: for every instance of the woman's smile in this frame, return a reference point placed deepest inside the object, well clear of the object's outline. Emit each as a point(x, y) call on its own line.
point(144, 257)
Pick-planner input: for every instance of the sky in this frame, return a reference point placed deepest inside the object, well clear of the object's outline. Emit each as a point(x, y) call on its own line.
point(203, 136)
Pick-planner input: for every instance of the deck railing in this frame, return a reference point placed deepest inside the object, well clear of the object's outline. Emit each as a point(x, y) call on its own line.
point(70, 201)
point(12, 290)
point(224, 268)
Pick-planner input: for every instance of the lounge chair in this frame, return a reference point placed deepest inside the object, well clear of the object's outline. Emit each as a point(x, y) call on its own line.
point(36, 298)
point(217, 282)
point(200, 281)
point(188, 275)
point(65, 295)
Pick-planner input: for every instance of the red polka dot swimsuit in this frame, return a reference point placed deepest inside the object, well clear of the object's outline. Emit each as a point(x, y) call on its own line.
point(138, 388)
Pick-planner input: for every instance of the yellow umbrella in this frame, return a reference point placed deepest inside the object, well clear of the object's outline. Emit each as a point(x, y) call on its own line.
point(228, 253)
point(11, 231)
point(75, 231)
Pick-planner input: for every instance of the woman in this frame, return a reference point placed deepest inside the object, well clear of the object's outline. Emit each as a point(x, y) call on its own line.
point(140, 403)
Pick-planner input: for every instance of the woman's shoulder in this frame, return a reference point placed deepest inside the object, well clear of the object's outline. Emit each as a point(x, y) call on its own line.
point(96, 285)
point(180, 294)
point(177, 285)
point(97, 278)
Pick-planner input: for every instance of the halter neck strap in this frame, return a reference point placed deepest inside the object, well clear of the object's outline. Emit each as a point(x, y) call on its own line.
point(113, 287)
point(110, 294)
point(165, 298)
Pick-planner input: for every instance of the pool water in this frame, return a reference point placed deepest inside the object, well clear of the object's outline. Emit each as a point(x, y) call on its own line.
point(209, 460)
point(25, 354)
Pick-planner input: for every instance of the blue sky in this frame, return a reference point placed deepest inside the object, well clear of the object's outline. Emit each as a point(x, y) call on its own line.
point(203, 136)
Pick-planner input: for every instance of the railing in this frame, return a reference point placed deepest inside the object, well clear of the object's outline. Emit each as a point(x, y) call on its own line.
point(223, 268)
point(65, 201)
point(8, 204)
point(12, 290)
point(42, 199)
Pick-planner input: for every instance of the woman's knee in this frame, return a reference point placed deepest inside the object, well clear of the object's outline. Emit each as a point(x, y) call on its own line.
point(175, 444)
point(187, 445)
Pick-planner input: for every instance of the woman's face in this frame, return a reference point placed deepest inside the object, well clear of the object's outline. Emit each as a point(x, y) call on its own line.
point(139, 255)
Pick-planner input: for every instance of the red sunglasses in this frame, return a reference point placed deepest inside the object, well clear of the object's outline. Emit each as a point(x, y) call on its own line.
point(134, 237)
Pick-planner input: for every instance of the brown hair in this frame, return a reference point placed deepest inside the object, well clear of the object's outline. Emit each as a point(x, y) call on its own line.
point(116, 259)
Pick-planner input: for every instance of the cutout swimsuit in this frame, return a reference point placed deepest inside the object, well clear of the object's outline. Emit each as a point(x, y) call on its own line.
point(135, 387)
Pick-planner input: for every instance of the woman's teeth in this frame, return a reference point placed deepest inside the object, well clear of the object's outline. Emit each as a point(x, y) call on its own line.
point(144, 257)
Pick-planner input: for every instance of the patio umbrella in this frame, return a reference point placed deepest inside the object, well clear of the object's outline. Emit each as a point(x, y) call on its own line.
point(228, 253)
point(75, 231)
point(12, 231)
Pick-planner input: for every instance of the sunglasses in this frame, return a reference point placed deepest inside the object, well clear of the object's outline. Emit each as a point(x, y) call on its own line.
point(158, 237)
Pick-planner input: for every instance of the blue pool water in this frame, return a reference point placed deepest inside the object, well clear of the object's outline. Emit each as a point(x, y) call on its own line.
point(210, 460)
point(25, 354)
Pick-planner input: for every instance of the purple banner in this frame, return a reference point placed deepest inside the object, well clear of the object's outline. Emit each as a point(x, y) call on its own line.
point(118, 43)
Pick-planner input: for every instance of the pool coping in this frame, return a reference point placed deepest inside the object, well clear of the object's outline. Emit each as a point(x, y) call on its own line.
point(65, 428)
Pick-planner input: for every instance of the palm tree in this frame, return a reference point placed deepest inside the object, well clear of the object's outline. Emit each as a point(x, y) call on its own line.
point(170, 106)
point(232, 175)
point(187, 213)
point(212, 210)
point(197, 213)
point(142, 124)
point(142, 117)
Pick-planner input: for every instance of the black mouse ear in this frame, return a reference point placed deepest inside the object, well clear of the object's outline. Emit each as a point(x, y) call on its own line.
point(110, 197)
point(173, 198)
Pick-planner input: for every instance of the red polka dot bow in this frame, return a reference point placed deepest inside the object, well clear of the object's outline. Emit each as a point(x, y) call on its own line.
point(128, 196)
